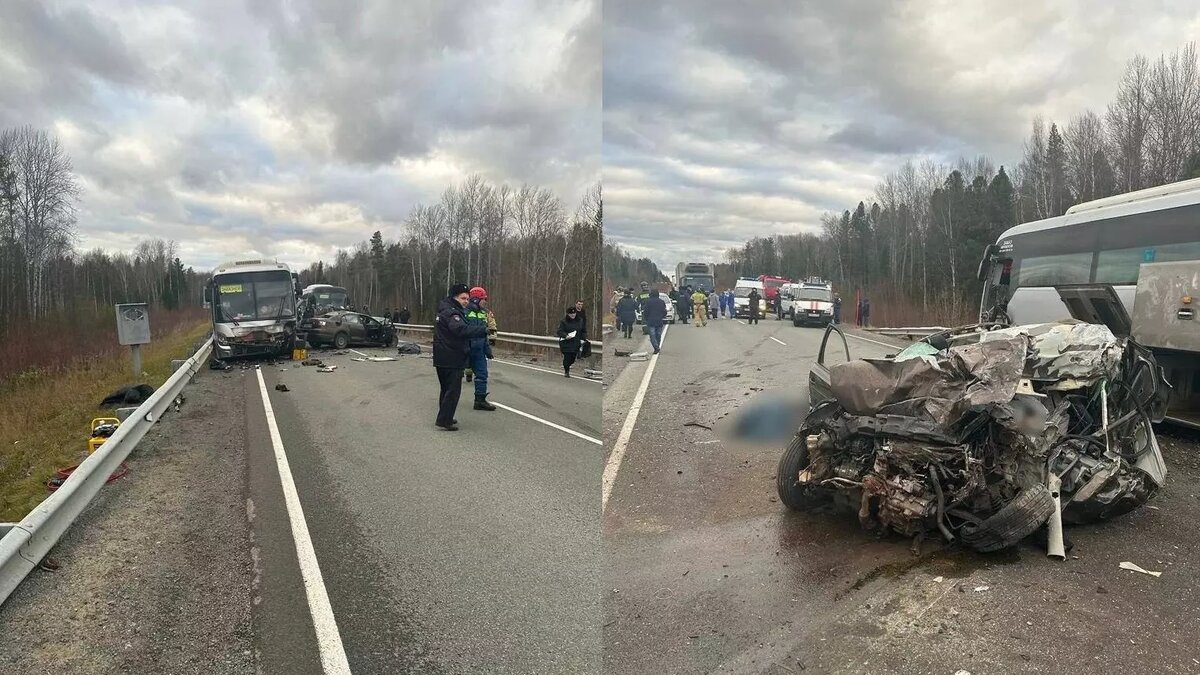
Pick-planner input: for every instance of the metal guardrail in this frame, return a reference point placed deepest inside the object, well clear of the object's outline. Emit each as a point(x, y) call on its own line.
point(24, 546)
point(913, 333)
point(547, 341)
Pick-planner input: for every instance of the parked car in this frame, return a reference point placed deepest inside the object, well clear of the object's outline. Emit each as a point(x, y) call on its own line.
point(343, 328)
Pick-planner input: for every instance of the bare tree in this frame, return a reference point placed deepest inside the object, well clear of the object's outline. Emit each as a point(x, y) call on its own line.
point(1126, 123)
point(1084, 137)
point(44, 206)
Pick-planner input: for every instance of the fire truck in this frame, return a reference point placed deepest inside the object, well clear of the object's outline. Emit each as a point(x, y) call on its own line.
point(771, 286)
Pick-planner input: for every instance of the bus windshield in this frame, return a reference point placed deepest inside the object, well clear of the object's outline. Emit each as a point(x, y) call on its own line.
point(698, 281)
point(254, 296)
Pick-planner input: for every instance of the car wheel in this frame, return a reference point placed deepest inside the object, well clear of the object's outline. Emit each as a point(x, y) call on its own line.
point(341, 340)
point(792, 493)
point(795, 322)
point(1017, 520)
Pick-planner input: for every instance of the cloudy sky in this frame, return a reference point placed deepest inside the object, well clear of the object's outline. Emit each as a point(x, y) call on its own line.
point(293, 128)
point(724, 120)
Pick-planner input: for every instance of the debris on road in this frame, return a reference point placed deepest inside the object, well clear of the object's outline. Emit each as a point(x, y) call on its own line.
point(281, 387)
point(639, 356)
point(326, 369)
point(697, 424)
point(968, 431)
point(729, 375)
point(218, 364)
point(1135, 568)
point(980, 589)
point(592, 373)
point(312, 362)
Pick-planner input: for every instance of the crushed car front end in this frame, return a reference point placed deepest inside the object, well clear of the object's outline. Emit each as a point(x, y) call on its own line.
point(984, 434)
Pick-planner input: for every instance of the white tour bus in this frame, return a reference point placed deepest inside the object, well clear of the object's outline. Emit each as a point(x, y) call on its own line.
point(1131, 261)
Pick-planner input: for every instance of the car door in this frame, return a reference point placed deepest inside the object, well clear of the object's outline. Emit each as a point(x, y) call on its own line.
point(819, 387)
point(353, 327)
point(372, 330)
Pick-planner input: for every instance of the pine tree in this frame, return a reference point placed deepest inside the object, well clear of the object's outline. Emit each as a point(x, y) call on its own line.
point(1056, 159)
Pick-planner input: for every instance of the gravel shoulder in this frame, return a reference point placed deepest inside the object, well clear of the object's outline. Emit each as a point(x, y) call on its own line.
point(156, 575)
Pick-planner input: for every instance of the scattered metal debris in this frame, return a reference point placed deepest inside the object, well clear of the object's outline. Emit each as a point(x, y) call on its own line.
point(1135, 568)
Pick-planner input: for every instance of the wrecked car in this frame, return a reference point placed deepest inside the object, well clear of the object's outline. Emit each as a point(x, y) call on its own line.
point(982, 434)
point(343, 328)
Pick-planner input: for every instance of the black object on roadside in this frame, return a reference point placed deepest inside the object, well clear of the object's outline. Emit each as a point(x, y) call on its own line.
point(218, 364)
point(408, 348)
point(281, 387)
point(131, 395)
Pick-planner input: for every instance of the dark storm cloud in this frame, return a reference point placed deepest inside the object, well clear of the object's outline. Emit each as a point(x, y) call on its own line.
point(725, 120)
point(302, 126)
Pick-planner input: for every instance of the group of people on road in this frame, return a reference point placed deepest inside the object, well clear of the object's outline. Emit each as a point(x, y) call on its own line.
point(463, 335)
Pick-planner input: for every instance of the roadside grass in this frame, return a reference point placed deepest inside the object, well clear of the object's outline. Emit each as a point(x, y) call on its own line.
point(45, 414)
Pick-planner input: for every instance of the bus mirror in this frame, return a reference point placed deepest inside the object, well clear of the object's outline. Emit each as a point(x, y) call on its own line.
point(985, 265)
point(207, 296)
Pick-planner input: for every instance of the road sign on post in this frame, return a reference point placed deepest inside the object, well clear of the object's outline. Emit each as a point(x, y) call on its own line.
point(133, 329)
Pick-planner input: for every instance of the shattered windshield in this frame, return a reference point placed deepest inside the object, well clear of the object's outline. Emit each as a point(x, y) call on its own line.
point(254, 296)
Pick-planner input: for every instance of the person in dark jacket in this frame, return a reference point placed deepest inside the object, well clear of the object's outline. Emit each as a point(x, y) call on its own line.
point(451, 347)
point(405, 315)
point(654, 314)
point(683, 306)
point(579, 311)
point(754, 301)
point(569, 334)
point(627, 313)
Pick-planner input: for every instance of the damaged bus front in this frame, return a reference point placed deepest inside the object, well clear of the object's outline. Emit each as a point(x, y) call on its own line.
point(253, 307)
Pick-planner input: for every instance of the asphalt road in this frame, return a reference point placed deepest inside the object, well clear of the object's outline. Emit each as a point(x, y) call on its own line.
point(708, 572)
point(440, 552)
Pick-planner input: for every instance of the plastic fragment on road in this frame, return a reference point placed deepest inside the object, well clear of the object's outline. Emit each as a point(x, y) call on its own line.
point(593, 373)
point(326, 369)
point(1135, 568)
point(980, 589)
point(938, 580)
point(358, 359)
point(639, 356)
point(377, 359)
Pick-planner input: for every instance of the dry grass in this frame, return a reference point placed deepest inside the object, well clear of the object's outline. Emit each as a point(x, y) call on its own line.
point(46, 411)
point(890, 307)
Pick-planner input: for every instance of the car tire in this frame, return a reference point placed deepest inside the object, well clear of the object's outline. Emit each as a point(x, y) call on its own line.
point(341, 340)
point(1016, 520)
point(795, 322)
point(795, 496)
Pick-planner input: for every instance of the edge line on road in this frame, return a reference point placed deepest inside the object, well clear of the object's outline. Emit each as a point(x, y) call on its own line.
point(329, 640)
point(544, 370)
point(613, 464)
point(548, 423)
point(777, 340)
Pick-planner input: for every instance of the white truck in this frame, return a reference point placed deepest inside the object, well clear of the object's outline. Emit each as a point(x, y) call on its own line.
point(741, 298)
point(808, 302)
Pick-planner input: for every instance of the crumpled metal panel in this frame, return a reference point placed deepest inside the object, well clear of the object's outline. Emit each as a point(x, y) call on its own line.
point(940, 388)
point(1074, 355)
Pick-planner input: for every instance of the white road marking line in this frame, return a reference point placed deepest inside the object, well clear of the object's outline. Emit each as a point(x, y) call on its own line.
point(740, 321)
point(613, 465)
point(329, 640)
point(778, 340)
point(548, 423)
point(544, 370)
point(875, 342)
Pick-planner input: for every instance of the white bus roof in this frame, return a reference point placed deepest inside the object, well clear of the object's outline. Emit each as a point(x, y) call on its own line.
point(1169, 196)
point(240, 266)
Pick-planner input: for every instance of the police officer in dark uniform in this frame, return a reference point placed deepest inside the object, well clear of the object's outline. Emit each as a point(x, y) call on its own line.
point(451, 348)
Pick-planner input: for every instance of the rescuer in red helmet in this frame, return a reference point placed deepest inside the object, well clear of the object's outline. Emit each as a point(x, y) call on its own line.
point(481, 351)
